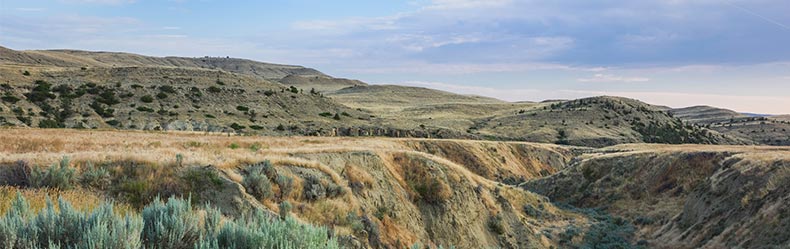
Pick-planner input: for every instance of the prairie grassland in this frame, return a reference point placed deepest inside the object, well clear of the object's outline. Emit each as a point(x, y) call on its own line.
point(45, 146)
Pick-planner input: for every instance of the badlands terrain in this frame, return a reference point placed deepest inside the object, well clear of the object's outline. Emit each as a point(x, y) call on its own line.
point(246, 148)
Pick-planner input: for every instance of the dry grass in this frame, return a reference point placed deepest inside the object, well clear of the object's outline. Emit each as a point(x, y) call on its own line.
point(357, 177)
point(83, 200)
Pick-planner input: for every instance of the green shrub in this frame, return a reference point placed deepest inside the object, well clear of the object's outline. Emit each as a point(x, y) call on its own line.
point(108, 97)
point(495, 224)
point(67, 227)
point(145, 109)
point(257, 183)
point(50, 123)
point(259, 231)
point(313, 188)
point(41, 92)
point(286, 185)
point(325, 114)
point(10, 99)
point(285, 209)
point(161, 95)
point(167, 89)
point(256, 127)
point(95, 177)
point(213, 89)
point(147, 99)
point(26, 73)
point(237, 126)
point(200, 180)
point(113, 122)
point(60, 176)
point(334, 190)
point(103, 112)
point(242, 108)
point(170, 225)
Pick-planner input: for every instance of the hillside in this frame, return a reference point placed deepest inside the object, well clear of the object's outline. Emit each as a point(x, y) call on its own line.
point(770, 130)
point(597, 121)
point(77, 58)
point(80, 89)
point(684, 196)
point(164, 98)
point(393, 98)
point(383, 192)
point(705, 114)
point(322, 84)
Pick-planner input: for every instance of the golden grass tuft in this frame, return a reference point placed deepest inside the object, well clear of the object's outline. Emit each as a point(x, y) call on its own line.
point(357, 177)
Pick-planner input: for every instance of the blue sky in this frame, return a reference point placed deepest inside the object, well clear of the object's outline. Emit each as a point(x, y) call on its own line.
point(728, 53)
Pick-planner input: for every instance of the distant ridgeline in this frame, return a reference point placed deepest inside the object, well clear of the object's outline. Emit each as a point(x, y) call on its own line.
point(105, 90)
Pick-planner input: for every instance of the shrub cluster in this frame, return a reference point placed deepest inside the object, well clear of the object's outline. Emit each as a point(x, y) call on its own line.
point(171, 224)
point(257, 183)
point(315, 189)
point(59, 176)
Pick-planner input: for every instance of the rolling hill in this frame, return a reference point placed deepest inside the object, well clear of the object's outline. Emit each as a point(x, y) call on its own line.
point(81, 89)
point(770, 130)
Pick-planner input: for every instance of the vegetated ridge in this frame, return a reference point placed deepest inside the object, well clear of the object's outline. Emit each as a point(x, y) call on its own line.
point(80, 89)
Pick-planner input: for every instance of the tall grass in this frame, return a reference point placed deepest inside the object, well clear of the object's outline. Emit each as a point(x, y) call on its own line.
point(171, 224)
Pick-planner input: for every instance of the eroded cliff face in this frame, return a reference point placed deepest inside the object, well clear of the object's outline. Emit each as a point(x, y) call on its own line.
point(684, 197)
point(414, 196)
point(386, 192)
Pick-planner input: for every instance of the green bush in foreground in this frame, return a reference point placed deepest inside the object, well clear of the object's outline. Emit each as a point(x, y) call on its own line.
point(171, 224)
point(68, 227)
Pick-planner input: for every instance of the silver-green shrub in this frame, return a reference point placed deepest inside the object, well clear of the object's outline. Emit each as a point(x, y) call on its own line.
point(95, 177)
point(60, 176)
point(257, 183)
point(286, 184)
point(261, 231)
point(67, 227)
point(171, 224)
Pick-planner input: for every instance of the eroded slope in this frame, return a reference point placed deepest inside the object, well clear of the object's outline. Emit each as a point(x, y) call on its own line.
point(684, 196)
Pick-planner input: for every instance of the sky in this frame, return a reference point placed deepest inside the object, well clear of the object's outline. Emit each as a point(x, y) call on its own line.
point(727, 53)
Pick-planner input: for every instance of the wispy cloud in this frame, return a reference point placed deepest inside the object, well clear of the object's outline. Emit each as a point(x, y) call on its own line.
point(29, 9)
point(600, 77)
